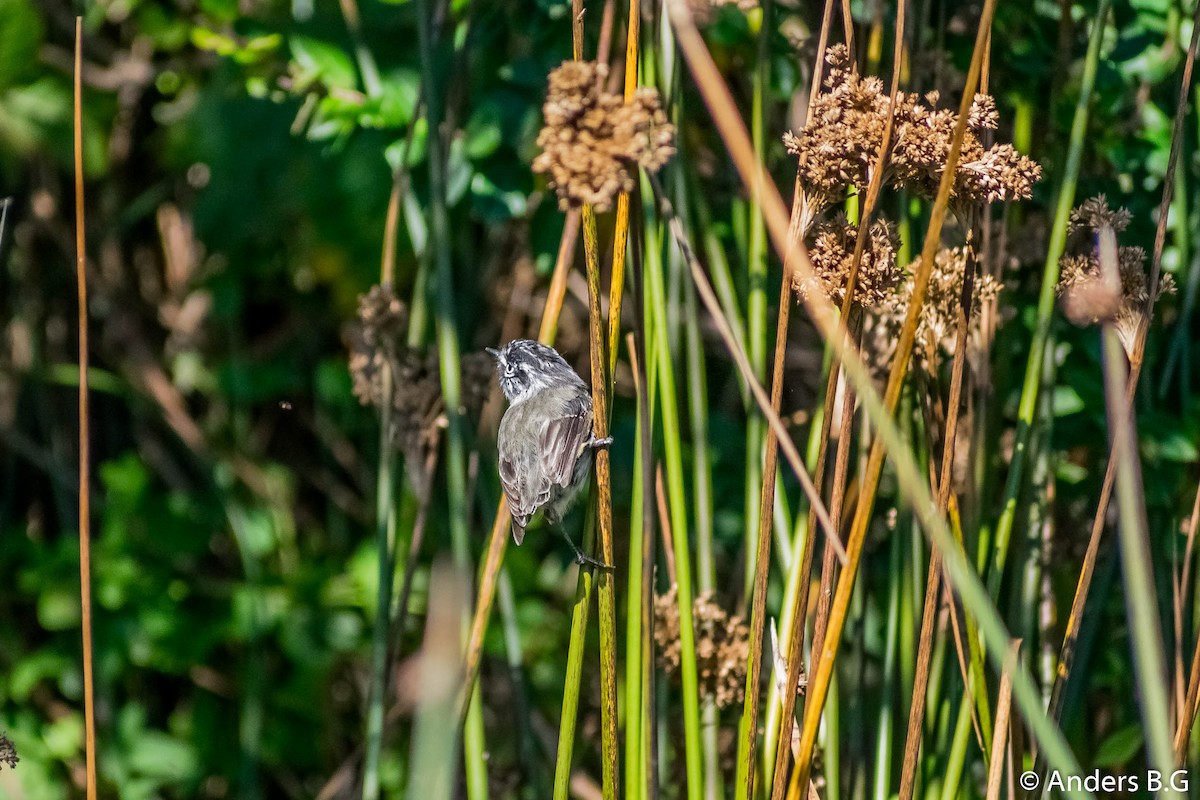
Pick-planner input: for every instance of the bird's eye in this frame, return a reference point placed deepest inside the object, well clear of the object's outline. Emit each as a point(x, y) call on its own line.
point(510, 371)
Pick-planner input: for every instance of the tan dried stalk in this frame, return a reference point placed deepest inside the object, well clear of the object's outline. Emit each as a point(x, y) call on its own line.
point(1000, 736)
point(783, 748)
point(1184, 730)
point(916, 709)
point(766, 506)
point(818, 686)
point(85, 481)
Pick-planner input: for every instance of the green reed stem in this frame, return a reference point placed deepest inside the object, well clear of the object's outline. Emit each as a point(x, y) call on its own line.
point(677, 507)
point(885, 735)
point(574, 667)
point(1038, 347)
point(449, 367)
point(385, 536)
point(637, 602)
point(756, 307)
point(1141, 601)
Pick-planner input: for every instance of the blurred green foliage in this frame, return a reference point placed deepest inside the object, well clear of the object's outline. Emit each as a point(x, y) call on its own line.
point(239, 158)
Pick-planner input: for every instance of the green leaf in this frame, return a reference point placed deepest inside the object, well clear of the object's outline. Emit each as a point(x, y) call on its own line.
point(1067, 401)
point(20, 37)
point(1119, 747)
point(458, 172)
point(324, 61)
point(483, 133)
point(399, 154)
point(58, 608)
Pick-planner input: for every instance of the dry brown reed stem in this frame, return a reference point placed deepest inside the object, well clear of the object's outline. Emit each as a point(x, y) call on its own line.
point(766, 508)
point(1183, 730)
point(818, 686)
point(607, 599)
point(766, 505)
point(498, 540)
point(848, 25)
point(916, 709)
point(621, 231)
point(838, 487)
point(1182, 581)
point(604, 46)
point(1067, 653)
point(391, 223)
point(800, 612)
point(664, 522)
point(600, 392)
point(1000, 735)
point(85, 480)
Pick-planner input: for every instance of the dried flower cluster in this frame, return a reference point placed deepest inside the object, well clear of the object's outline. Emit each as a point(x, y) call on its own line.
point(593, 142)
point(8, 753)
point(1094, 213)
point(416, 397)
point(832, 253)
point(1088, 298)
point(938, 324)
point(840, 142)
point(722, 646)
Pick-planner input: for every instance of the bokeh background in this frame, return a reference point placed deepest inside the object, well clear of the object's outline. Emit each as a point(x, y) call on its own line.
point(240, 156)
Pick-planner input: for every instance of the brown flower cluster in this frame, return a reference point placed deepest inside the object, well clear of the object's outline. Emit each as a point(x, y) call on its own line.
point(1094, 213)
point(416, 397)
point(593, 142)
point(938, 324)
point(1088, 297)
point(8, 753)
point(840, 142)
point(832, 253)
point(722, 646)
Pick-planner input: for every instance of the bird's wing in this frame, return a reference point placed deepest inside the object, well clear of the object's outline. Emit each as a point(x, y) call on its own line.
point(564, 439)
point(526, 493)
point(521, 478)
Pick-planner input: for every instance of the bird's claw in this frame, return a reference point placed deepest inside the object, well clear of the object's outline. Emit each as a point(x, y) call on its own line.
point(584, 560)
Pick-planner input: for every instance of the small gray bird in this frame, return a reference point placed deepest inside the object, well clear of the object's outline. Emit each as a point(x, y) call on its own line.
point(545, 438)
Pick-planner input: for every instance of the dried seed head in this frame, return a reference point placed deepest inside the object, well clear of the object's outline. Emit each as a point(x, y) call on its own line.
point(1088, 299)
point(8, 753)
point(376, 340)
point(840, 142)
point(722, 645)
point(382, 315)
point(832, 253)
point(937, 326)
point(984, 116)
point(593, 142)
point(1094, 214)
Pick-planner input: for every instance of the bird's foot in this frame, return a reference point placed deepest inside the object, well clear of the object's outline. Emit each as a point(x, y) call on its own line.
point(597, 444)
point(583, 559)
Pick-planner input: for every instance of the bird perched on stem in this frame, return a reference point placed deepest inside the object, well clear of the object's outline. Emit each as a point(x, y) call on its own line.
point(546, 439)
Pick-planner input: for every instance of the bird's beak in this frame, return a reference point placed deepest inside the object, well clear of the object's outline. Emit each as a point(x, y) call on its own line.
point(495, 353)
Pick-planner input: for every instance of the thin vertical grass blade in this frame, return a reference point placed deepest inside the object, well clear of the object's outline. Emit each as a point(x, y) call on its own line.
point(85, 480)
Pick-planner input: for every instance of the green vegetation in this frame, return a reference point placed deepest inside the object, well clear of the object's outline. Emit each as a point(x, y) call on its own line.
point(863, 335)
